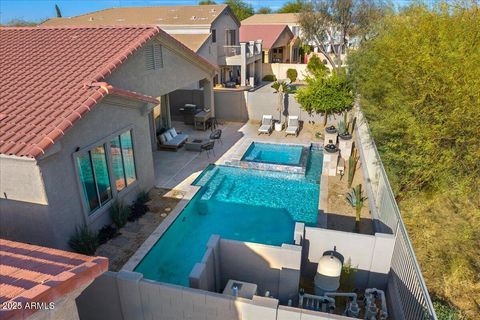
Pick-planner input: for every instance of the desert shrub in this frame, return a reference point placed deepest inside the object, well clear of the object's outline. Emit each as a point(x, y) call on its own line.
point(119, 214)
point(138, 209)
point(445, 311)
point(292, 74)
point(84, 241)
point(143, 197)
point(269, 77)
point(106, 233)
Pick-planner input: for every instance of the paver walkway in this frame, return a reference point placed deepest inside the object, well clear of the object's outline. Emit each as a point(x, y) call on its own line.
point(119, 249)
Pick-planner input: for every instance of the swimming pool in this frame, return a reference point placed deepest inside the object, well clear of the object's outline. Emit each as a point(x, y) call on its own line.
point(274, 153)
point(239, 204)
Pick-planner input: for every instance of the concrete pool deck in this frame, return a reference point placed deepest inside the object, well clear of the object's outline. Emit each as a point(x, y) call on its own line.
point(171, 168)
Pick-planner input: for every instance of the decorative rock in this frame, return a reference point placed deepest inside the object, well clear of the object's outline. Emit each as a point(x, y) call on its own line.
point(168, 209)
point(163, 215)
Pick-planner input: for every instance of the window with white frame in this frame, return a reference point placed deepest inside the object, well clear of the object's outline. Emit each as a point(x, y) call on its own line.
point(103, 172)
point(230, 37)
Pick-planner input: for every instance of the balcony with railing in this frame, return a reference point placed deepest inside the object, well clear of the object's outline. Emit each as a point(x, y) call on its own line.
point(245, 53)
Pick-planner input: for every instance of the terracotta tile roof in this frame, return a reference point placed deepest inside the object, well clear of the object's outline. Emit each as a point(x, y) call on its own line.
point(158, 15)
point(268, 33)
point(49, 77)
point(192, 41)
point(31, 273)
point(272, 18)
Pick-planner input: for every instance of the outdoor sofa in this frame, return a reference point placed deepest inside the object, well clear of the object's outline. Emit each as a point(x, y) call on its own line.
point(171, 140)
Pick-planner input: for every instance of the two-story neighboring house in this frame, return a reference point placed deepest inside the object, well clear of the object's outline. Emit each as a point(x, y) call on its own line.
point(212, 31)
point(292, 21)
point(77, 122)
point(289, 19)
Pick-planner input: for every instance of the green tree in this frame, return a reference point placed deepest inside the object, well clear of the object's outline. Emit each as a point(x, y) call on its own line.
point(206, 2)
point(316, 68)
point(334, 22)
point(241, 9)
point(21, 23)
point(57, 10)
point(292, 74)
point(418, 80)
point(293, 6)
point(326, 95)
point(264, 10)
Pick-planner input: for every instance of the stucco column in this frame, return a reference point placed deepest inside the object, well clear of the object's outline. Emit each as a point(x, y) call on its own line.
point(259, 68)
point(208, 99)
point(243, 63)
point(167, 109)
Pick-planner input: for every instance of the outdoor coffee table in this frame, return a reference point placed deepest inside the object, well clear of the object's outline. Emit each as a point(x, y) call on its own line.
point(196, 144)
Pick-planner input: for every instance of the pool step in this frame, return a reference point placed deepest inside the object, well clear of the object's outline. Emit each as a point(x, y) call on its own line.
point(206, 177)
point(214, 186)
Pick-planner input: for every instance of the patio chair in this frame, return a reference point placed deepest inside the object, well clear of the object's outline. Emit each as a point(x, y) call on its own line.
point(208, 147)
point(267, 124)
point(293, 126)
point(216, 135)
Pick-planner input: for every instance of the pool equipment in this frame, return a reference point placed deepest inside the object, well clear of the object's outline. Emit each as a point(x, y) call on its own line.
point(316, 303)
point(352, 309)
point(371, 308)
point(327, 278)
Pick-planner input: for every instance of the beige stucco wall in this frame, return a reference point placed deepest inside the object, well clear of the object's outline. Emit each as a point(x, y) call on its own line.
point(224, 22)
point(177, 72)
point(60, 174)
point(64, 307)
point(23, 171)
point(52, 224)
point(208, 51)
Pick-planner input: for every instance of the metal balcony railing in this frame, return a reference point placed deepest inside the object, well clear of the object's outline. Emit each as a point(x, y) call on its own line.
point(231, 51)
point(250, 50)
point(405, 278)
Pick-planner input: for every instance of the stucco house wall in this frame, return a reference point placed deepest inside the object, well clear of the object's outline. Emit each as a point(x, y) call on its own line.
point(175, 74)
point(41, 200)
point(53, 222)
point(66, 206)
point(223, 23)
point(208, 51)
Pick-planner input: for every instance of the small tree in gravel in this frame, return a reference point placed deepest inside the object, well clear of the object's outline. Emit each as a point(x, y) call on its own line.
point(356, 199)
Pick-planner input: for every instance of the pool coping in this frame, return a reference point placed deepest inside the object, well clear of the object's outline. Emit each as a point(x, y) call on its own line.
point(236, 158)
point(189, 191)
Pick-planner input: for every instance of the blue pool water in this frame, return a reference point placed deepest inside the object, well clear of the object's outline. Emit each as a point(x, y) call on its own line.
point(239, 204)
point(274, 153)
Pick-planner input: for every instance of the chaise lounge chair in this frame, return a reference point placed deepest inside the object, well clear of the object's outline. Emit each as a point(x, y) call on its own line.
point(267, 124)
point(293, 126)
point(171, 140)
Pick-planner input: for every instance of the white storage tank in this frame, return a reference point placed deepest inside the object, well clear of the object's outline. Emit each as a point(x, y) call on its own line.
point(327, 278)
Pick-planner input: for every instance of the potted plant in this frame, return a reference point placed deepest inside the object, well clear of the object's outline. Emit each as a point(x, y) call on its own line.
point(355, 198)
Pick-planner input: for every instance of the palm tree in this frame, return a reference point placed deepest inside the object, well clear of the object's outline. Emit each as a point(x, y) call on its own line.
point(281, 88)
point(355, 198)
